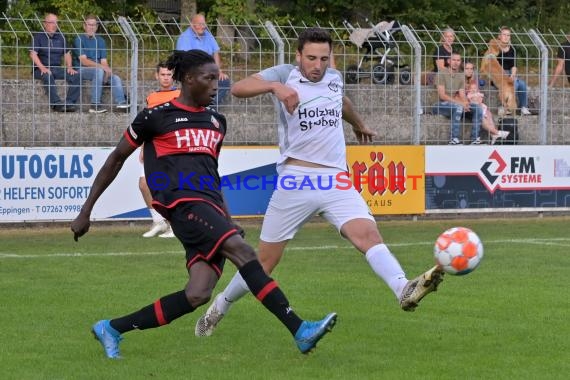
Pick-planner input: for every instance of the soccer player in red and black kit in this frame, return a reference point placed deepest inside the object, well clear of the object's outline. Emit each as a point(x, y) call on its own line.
point(182, 140)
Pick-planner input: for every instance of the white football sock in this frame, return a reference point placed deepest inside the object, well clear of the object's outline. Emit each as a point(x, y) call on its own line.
point(236, 289)
point(156, 217)
point(387, 267)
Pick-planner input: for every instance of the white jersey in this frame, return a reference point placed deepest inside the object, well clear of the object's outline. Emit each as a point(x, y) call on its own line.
point(314, 132)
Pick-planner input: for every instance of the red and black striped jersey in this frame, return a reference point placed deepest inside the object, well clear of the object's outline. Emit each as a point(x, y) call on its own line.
point(181, 149)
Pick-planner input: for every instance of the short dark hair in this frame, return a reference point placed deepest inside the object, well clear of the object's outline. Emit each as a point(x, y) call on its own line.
point(185, 62)
point(317, 35)
point(161, 65)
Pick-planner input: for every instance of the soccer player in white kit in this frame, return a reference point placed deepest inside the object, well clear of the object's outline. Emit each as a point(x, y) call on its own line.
point(313, 150)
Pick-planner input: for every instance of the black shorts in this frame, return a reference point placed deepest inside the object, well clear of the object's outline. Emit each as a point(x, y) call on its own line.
point(202, 227)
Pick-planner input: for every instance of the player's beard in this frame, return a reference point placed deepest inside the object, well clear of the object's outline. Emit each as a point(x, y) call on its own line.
point(315, 77)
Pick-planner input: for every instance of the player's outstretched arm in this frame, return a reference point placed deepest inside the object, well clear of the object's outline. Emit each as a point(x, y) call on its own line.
point(104, 178)
point(255, 85)
point(251, 86)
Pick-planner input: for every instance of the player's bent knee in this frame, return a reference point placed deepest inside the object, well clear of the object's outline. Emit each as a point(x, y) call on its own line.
point(198, 298)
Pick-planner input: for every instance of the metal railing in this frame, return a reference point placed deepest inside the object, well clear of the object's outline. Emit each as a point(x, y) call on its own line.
point(384, 77)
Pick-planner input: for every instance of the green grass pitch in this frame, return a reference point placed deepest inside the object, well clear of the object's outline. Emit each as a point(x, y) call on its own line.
point(507, 320)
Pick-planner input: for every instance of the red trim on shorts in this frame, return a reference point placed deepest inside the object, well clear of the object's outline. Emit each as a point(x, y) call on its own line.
point(208, 256)
point(159, 313)
point(196, 258)
point(266, 290)
point(176, 202)
point(220, 241)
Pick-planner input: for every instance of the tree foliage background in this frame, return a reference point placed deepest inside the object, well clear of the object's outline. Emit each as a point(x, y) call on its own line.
point(543, 15)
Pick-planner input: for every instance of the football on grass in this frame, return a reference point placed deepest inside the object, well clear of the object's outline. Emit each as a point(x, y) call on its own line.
point(458, 251)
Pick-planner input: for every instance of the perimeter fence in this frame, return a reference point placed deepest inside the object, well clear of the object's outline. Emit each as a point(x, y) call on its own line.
point(384, 65)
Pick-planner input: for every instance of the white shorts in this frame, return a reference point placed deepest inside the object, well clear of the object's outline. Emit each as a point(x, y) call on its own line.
point(302, 193)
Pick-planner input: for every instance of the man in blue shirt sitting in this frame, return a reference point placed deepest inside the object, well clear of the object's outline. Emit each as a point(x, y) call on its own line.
point(90, 57)
point(197, 36)
point(47, 50)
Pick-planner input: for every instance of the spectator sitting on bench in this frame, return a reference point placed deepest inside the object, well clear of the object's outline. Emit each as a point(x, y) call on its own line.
point(90, 57)
point(507, 58)
point(47, 50)
point(453, 102)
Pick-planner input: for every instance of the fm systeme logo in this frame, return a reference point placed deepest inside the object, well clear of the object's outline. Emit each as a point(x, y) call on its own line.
point(514, 172)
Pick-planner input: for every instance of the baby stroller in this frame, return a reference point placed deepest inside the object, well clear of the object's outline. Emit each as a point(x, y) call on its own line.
point(378, 42)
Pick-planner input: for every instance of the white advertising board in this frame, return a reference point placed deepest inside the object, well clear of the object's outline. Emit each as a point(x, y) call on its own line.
point(52, 184)
point(497, 178)
point(45, 184)
point(516, 167)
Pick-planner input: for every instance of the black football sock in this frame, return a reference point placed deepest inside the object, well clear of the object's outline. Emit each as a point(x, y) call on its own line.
point(162, 312)
point(266, 290)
